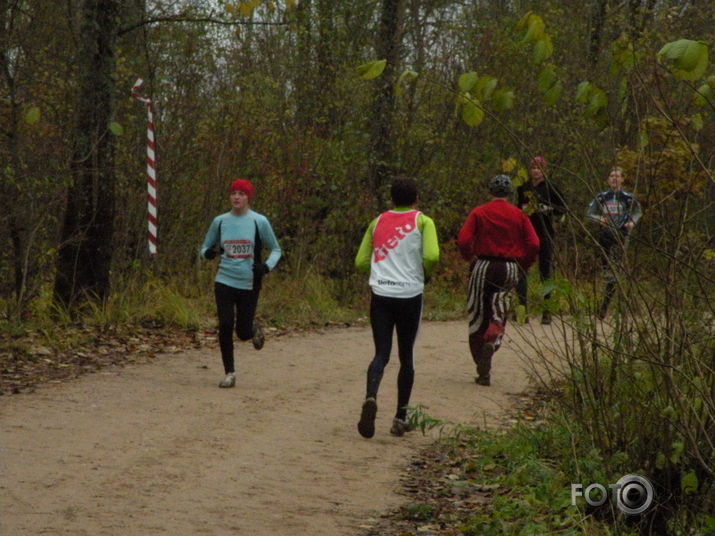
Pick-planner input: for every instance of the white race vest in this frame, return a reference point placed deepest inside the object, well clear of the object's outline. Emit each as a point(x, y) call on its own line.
point(396, 266)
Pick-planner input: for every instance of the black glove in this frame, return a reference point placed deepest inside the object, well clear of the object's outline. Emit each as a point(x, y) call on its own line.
point(260, 269)
point(212, 252)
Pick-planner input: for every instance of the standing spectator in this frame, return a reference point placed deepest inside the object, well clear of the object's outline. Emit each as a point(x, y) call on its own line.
point(499, 240)
point(616, 212)
point(400, 250)
point(542, 201)
point(238, 236)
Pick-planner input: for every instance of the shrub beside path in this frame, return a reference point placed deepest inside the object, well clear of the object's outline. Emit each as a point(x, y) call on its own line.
point(156, 448)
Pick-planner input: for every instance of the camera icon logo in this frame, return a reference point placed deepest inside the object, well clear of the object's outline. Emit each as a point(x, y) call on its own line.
point(633, 494)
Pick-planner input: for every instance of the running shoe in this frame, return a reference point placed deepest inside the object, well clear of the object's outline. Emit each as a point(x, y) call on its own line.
point(399, 427)
point(484, 379)
point(484, 364)
point(259, 338)
point(229, 380)
point(366, 426)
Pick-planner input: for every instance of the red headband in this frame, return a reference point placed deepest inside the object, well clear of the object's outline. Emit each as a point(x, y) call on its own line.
point(242, 185)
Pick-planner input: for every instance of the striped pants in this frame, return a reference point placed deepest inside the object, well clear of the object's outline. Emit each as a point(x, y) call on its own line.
point(490, 284)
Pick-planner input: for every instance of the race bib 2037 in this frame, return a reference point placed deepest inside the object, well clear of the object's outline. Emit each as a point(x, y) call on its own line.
point(238, 249)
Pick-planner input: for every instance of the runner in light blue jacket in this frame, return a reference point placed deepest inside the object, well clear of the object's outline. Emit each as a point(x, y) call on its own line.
point(238, 237)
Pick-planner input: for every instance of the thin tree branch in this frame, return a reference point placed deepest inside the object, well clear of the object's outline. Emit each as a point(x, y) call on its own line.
point(209, 20)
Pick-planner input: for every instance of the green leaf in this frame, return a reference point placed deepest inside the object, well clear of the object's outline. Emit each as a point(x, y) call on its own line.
point(553, 95)
point(689, 483)
point(688, 58)
point(535, 29)
point(472, 113)
point(697, 122)
point(508, 165)
point(711, 81)
point(485, 87)
point(546, 79)
point(703, 95)
point(524, 21)
point(660, 460)
point(503, 99)
point(643, 139)
point(625, 58)
point(593, 97)
point(543, 50)
point(596, 103)
point(245, 8)
point(547, 288)
point(685, 54)
point(405, 78)
point(520, 314)
point(371, 70)
point(697, 403)
point(467, 81)
point(583, 92)
point(116, 128)
point(623, 89)
point(668, 412)
point(32, 115)
point(522, 175)
point(677, 447)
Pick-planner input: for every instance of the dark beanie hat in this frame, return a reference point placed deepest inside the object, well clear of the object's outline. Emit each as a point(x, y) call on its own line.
point(500, 186)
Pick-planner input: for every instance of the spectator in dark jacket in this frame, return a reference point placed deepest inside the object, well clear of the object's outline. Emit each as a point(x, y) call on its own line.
point(542, 201)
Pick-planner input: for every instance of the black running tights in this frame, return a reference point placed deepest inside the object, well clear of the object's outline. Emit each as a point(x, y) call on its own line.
point(402, 315)
point(236, 309)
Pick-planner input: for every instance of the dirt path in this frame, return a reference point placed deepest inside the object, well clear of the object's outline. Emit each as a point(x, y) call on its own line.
point(157, 449)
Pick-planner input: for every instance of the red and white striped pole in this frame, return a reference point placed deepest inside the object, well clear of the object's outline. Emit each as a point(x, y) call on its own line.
point(152, 221)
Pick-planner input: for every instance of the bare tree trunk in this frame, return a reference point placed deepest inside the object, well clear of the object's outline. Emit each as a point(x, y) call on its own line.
point(598, 20)
point(85, 253)
point(382, 145)
point(325, 46)
point(16, 219)
point(10, 191)
point(305, 109)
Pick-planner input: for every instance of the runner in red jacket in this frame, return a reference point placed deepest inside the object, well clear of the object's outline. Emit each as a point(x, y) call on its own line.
point(498, 239)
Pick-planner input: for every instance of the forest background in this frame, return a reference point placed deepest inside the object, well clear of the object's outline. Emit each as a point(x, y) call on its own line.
point(320, 103)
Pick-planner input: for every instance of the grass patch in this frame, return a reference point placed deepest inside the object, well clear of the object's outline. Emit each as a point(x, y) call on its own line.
point(516, 482)
point(532, 488)
point(506, 482)
point(305, 300)
point(442, 302)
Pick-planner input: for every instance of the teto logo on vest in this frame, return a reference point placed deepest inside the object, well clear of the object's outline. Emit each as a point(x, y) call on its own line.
point(387, 239)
